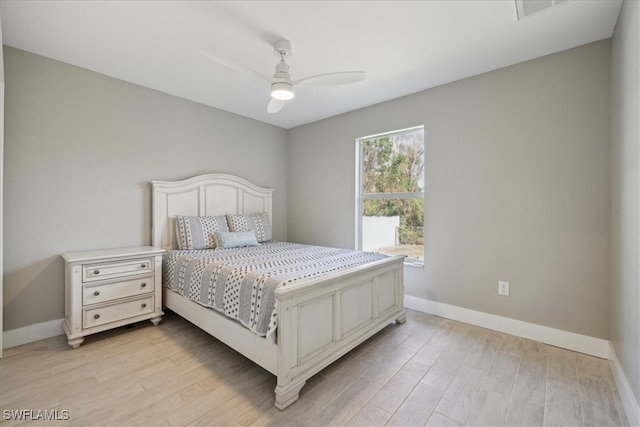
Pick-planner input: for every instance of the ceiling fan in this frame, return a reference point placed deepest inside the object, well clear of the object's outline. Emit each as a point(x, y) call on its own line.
point(282, 85)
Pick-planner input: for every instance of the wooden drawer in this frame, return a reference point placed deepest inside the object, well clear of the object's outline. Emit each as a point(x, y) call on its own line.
point(96, 316)
point(99, 292)
point(112, 270)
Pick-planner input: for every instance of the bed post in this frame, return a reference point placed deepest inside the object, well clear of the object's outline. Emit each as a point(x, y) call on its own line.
point(287, 391)
point(288, 394)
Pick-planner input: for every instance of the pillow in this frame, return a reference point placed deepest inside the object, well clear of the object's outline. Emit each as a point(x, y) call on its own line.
point(237, 239)
point(195, 232)
point(258, 222)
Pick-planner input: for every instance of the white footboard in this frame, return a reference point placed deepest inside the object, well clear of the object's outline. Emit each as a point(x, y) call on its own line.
point(319, 324)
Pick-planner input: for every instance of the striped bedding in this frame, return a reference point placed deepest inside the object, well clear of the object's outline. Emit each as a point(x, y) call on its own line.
point(240, 282)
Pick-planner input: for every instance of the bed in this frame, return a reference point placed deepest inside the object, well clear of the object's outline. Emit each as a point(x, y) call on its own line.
point(319, 319)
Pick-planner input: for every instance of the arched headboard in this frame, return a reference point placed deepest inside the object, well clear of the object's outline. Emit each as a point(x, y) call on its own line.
point(203, 195)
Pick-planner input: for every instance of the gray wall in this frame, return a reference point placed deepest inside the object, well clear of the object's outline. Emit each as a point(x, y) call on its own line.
point(625, 197)
point(517, 177)
point(80, 150)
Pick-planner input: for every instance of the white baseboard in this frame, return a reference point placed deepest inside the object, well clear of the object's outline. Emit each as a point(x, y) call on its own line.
point(629, 401)
point(31, 333)
point(556, 337)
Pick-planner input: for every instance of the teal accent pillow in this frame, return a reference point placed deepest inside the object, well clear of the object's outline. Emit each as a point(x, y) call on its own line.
point(237, 239)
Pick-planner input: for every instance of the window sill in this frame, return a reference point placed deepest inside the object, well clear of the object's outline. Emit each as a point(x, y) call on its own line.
point(414, 263)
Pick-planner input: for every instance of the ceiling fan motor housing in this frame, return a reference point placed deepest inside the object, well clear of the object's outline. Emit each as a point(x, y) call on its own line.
point(282, 73)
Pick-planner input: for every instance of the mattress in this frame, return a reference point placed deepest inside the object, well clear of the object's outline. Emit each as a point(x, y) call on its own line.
point(241, 282)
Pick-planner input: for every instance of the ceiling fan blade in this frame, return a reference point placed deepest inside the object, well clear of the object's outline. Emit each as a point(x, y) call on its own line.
point(274, 105)
point(333, 79)
point(233, 64)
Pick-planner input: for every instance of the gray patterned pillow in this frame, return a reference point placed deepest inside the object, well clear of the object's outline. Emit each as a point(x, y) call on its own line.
point(259, 222)
point(196, 232)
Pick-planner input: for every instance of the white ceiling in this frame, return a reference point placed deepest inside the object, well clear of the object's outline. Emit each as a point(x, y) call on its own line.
point(404, 46)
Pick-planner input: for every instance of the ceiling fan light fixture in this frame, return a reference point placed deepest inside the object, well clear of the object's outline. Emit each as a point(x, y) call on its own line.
point(282, 90)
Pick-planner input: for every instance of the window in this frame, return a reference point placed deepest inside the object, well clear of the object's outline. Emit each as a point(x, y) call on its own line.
point(390, 193)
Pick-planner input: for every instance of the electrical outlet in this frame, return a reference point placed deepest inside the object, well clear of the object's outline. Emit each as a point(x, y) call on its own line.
point(503, 288)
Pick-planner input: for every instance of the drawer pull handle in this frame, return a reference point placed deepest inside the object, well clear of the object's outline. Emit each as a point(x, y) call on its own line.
point(143, 285)
point(144, 305)
point(96, 293)
point(143, 265)
point(96, 272)
point(96, 316)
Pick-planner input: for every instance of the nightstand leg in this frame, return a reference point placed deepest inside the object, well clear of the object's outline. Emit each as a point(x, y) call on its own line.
point(75, 342)
point(156, 320)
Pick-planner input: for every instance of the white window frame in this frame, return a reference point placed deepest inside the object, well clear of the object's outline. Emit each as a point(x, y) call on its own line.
point(360, 198)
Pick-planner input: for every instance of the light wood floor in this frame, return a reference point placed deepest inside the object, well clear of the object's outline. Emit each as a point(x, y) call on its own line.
point(429, 371)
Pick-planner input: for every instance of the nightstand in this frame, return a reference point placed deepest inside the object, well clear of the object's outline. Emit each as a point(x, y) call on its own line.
point(105, 289)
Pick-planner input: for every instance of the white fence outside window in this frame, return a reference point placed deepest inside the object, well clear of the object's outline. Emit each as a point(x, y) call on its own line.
point(379, 232)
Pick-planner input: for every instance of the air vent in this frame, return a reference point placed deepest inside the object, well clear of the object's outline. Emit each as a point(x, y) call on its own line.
point(528, 7)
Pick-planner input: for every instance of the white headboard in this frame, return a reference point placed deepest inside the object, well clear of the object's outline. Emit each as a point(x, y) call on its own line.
point(203, 195)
